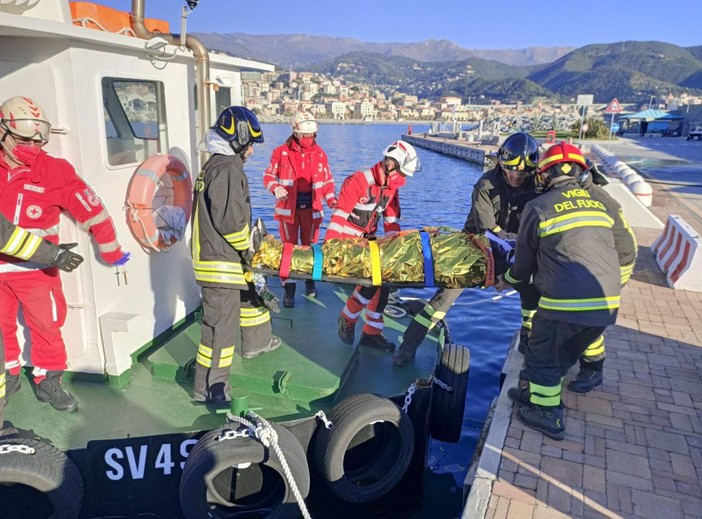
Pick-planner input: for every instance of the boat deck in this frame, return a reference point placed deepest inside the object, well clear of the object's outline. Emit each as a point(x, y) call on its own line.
point(633, 446)
point(312, 370)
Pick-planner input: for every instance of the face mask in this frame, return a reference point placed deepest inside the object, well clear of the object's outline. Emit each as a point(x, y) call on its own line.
point(26, 153)
point(306, 142)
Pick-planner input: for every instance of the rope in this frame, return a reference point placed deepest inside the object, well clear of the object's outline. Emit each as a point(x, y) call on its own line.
point(264, 432)
point(126, 31)
point(133, 213)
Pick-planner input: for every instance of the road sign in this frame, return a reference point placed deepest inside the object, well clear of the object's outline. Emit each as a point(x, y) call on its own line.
point(613, 107)
point(614, 128)
point(585, 100)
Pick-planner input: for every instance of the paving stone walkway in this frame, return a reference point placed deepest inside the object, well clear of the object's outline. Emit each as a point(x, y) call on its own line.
point(633, 446)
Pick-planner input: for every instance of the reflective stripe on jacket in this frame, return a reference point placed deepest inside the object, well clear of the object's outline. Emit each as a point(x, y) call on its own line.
point(221, 222)
point(566, 242)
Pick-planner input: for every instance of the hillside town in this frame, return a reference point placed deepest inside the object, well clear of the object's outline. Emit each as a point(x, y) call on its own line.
point(274, 96)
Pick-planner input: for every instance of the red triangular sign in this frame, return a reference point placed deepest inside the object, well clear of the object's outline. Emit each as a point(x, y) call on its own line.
point(613, 107)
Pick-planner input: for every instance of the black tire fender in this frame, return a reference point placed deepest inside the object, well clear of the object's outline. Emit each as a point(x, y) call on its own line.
point(47, 470)
point(447, 407)
point(368, 449)
point(241, 475)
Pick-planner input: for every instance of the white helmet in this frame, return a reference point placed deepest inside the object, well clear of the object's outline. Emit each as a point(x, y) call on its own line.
point(405, 156)
point(24, 118)
point(303, 122)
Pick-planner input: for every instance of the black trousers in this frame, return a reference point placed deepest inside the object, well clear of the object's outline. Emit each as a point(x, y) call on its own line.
point(554, 347)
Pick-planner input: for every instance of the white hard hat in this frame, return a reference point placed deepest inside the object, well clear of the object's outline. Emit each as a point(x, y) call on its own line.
point(303, 122)
point(24, 118)
point(405, 156)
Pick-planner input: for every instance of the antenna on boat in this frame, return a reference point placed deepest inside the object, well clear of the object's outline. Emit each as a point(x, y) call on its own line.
point(187, 9)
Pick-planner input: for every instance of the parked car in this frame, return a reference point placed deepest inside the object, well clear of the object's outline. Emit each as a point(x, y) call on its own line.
point(695, 132)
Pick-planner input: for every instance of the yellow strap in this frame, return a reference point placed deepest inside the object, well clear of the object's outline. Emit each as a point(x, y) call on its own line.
point(376, 275)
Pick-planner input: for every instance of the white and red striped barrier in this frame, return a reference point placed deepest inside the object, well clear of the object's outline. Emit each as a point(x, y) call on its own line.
point(679, 254)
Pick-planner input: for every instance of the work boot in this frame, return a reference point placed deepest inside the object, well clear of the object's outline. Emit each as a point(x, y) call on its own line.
point(273, 345)
point(217, 394)
point(523, 340)
point(12, 386)
point(50, 390)
point(346, 331)
point(547, 420)
point(289, 297)
point(588, 379)
point(378, 342)
point(404, 355)
point(310, 289)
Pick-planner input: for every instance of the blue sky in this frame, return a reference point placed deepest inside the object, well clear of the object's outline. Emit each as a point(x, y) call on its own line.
point(491, 24)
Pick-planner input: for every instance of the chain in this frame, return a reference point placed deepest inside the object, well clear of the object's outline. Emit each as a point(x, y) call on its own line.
point(22, 449)
point(408, 398)
point(326, 421)
point(443, 385)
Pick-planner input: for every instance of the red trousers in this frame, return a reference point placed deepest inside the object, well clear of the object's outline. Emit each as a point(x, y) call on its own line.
point(303, 229)
point(374, 300)
point(40, 295)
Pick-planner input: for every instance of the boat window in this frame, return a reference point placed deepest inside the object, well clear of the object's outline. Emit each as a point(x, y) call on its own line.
point(223, 98)
point(135, 119)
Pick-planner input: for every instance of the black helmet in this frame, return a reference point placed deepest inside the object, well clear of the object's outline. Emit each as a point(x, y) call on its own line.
point(238, 126)
point(519, 152)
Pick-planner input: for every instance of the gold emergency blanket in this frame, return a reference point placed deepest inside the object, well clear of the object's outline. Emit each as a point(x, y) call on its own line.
point(459, 260)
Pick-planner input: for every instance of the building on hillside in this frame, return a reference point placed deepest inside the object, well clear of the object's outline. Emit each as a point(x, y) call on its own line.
point(337, 109)
point(364, 110)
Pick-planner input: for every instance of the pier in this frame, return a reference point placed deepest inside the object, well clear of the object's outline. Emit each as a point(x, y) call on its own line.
point(633, 446)
point(470, 151)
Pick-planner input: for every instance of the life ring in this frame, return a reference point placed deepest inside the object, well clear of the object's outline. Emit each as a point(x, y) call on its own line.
point(367, 450)
point(240, 476)
point(140, 195)
point(448, 403)
point(28, 462)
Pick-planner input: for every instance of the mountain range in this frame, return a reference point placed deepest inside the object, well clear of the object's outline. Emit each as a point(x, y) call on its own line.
point(631, 71)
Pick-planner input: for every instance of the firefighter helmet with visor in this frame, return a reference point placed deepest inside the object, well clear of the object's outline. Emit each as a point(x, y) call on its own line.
point(25, 120)
point(519, 152)
point(406, 157)
point(561, 159)
point(238, 126)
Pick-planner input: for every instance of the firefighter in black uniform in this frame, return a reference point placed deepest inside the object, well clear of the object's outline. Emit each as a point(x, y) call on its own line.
point(566, 243)
point(592, 361)
point(498, 199)
point(232, 312)
point(16, 242)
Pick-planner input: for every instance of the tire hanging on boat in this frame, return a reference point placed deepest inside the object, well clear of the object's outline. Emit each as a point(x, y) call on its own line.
point(47, 470)
point(240, 476)
point(447, 407)
point(368, 449)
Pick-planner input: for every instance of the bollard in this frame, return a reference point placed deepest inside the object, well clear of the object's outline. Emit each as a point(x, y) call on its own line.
point(643, 191)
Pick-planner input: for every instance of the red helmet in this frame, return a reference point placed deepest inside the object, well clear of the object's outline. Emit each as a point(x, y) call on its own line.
point(560, 153)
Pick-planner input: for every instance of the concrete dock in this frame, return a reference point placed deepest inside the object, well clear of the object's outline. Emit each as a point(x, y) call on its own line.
point(633, 446)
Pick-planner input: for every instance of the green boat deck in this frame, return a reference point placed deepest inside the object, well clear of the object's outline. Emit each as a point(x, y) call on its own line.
point(312, 370)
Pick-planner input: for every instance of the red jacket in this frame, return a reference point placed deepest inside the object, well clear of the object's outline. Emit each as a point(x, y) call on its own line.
point(363, 201)
point(33, 199)
point(287, 163)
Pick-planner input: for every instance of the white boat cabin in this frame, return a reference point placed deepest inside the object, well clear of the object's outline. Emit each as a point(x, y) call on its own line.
point(115, 99)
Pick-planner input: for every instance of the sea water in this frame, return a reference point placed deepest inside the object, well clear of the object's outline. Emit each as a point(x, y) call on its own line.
point(437, 195)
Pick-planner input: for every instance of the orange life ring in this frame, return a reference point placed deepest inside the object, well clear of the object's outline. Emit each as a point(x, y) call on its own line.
point(140, 196)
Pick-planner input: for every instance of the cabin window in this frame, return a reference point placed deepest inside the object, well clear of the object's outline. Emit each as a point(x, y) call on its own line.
point(135, 119)
point(223, 98)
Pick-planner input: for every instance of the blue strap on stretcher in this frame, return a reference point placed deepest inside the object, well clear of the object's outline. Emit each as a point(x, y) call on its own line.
point(317, 262)
point(428, 260)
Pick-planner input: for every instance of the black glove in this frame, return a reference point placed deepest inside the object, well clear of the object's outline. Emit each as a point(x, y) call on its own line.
point(246, 256)
point(65, 259)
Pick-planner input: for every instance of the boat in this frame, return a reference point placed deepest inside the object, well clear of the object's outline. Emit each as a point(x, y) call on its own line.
point(314, 428)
